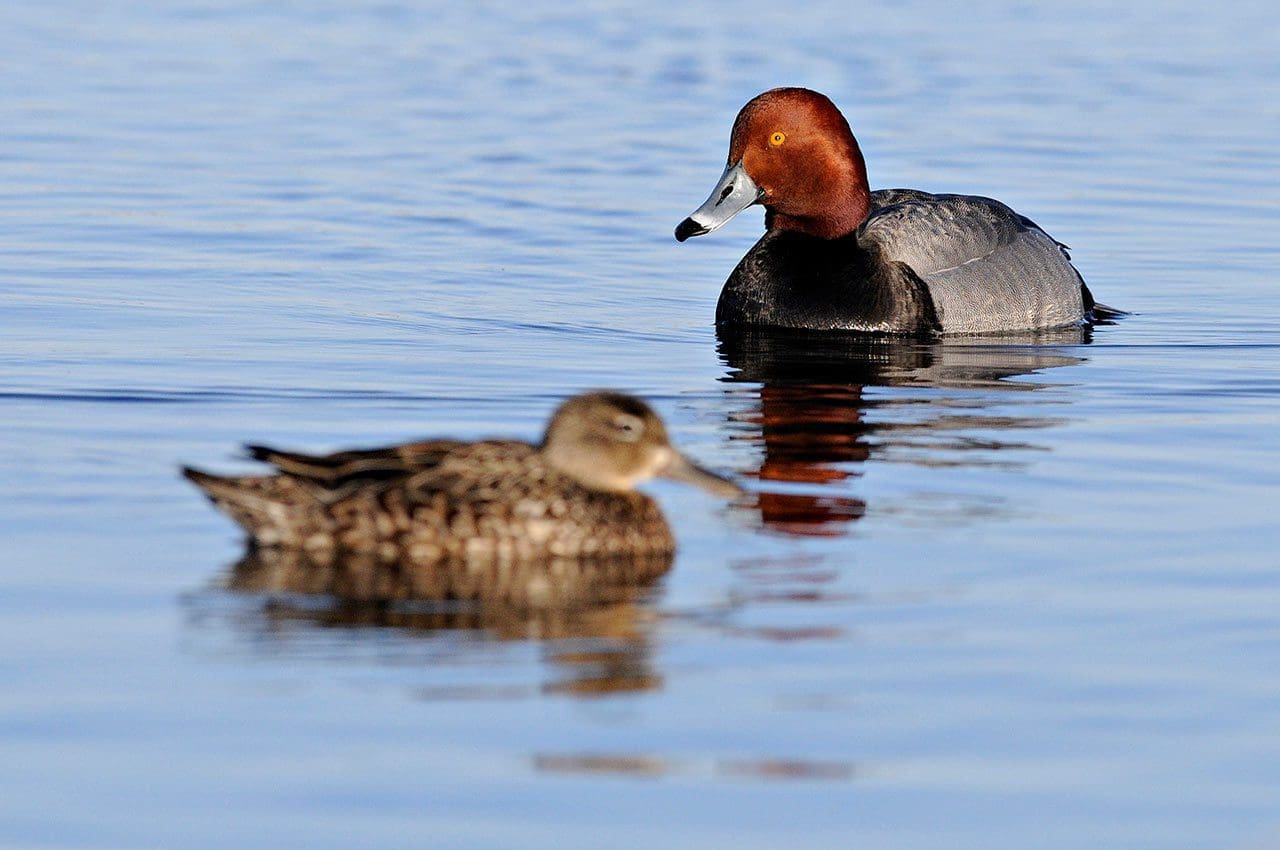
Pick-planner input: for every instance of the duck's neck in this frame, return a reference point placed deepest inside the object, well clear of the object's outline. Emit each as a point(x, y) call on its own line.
point(835, 204)
point(584, 468)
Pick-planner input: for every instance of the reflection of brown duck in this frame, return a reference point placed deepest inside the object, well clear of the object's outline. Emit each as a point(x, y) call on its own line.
point(523, 585)
point(603, 601)
point(494, 501)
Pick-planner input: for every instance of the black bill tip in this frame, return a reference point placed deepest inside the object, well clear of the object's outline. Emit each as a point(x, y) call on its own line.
point(688, 228)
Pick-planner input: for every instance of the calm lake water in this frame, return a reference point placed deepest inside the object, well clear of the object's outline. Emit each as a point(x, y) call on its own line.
point(1013, 593)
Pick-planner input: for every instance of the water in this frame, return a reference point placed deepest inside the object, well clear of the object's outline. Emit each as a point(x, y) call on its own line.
point(1008, 594)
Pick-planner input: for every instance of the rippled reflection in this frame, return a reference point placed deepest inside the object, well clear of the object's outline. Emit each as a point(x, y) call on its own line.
point(816, 423)
point(593, 617)
point(480, 584)
point(625, 764)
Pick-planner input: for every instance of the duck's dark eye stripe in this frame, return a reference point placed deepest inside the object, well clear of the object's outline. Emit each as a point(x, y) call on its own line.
point(628, 427)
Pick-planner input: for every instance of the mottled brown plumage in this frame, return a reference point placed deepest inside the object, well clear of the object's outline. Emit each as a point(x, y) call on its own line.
point(572, 496)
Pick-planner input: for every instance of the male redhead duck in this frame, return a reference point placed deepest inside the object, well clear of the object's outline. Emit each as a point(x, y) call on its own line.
point(837, 256)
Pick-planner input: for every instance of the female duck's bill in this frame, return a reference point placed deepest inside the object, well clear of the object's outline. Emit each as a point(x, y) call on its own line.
point(837, 256)
point(571, 496)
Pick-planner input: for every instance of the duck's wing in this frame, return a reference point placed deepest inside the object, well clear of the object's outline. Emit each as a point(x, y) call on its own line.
point(304, 499)
point(368, 465)
point(937, 233)
point(486, 471)
point(987, 268)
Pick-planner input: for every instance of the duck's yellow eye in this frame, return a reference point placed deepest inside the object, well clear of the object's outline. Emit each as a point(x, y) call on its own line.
point(777, 139)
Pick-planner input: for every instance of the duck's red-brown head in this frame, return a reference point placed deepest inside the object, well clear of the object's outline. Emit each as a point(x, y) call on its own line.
point(793, 152)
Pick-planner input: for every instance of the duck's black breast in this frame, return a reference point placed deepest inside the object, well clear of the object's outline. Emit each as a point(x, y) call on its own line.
point(793, 280)
point(921, 263)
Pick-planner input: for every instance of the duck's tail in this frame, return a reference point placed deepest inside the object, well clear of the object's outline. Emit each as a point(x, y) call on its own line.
point(271, 509)
point(1101, 313)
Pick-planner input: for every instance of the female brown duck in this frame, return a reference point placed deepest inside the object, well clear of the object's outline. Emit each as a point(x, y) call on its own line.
point(837, 256)
point(572, 496)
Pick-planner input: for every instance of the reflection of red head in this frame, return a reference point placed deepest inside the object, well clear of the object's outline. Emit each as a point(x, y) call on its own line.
point(809, 515)
point(807, 429)
point(811, 433)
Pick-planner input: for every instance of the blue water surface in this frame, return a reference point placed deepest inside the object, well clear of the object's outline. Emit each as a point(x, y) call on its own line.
point(1017, 593)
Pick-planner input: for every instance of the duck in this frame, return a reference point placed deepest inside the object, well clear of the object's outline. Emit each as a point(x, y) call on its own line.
point(442, 500)
point(837, 256)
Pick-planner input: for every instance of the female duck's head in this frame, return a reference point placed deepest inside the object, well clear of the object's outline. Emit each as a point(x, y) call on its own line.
point(611, 441)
